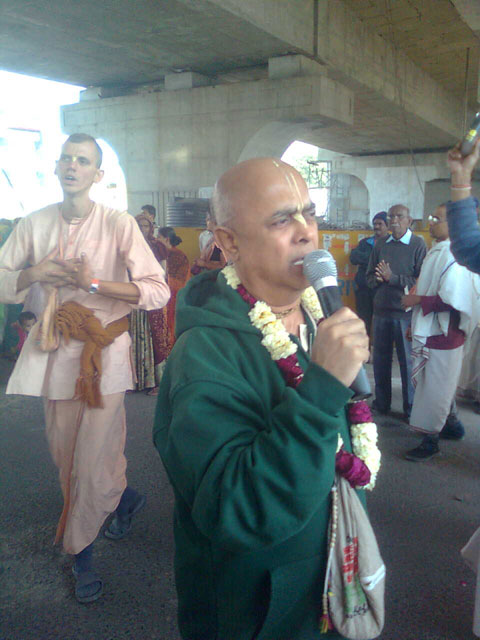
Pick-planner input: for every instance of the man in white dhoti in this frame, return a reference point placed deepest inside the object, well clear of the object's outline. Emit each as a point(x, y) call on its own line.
point(445, 312)
point(93, 266)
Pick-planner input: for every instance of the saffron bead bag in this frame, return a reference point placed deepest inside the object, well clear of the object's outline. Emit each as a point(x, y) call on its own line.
point(48, 338)
point(355, 581)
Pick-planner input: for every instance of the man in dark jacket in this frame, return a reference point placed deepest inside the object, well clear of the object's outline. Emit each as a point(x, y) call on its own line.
point(393, 269)
point(360, 256)
point(252, 458)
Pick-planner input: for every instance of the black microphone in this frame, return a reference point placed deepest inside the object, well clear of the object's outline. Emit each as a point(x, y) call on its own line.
point(468, 141)
point(320, 270)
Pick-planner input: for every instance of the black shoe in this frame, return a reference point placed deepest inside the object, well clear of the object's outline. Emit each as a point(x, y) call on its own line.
point(453, 430)
point(426, 450)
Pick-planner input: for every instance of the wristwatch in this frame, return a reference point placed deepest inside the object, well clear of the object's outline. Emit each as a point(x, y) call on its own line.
point(94, 285)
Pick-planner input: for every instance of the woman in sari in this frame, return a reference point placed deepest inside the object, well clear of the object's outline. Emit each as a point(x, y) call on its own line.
point(140, 332)
point(211, 256)
point(178, 272)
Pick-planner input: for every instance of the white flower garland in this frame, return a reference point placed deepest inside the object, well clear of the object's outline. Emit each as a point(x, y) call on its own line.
point(275, 337)
point(231, 276)
point(276, 340)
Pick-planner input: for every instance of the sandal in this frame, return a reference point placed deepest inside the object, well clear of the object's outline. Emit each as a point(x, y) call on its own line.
point(85, 590)
point(152, 392)
point(118, 528)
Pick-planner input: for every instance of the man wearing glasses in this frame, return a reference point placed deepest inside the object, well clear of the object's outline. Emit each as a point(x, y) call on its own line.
point(393, 268)
point(443, 314)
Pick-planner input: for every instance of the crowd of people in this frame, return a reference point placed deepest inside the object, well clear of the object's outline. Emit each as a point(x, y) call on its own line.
point(255, 420)
point(153, 331)
point(427, 305)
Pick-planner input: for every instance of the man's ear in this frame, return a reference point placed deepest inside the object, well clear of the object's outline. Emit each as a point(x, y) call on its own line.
point(98, 175)
point(227, 240)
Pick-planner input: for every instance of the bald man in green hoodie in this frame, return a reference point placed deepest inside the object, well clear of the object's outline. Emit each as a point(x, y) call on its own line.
point(249, 440)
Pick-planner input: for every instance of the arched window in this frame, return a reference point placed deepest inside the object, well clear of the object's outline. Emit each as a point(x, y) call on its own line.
point(112, 190)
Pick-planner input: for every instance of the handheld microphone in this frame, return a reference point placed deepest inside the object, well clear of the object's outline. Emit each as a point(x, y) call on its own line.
point(321, 271)
point(466, 145)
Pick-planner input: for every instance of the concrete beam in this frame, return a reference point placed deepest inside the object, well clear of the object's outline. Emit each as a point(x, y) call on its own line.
point(331, 33)
point(367, 62)
point(182, 140)
point(294, 66)
point(185, 80)
point(291, 22)
point(470, 13)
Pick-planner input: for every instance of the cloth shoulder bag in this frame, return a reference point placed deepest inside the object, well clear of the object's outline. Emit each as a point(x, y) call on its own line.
point(355, 580)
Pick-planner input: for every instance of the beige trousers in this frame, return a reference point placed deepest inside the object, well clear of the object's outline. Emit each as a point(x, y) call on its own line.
point(87, 445)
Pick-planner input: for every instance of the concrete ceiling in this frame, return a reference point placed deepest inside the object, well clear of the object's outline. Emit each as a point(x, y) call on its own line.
point(440, 36)
point(120, 42)
point(470, 12)
point(117, 44)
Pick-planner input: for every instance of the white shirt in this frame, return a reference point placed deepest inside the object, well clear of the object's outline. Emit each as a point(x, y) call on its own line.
point(405, 238)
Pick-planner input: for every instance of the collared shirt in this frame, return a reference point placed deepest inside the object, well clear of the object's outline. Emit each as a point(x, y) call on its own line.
point(405, 238)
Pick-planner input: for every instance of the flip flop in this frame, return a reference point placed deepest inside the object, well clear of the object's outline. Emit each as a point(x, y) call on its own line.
point(85, 581)
point(152, 392)
point(118, 529)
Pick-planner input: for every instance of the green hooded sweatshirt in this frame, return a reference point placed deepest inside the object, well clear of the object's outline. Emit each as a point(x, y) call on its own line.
point(252, 464)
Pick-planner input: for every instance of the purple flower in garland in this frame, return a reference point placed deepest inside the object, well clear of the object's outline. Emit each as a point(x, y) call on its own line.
point(354, 470)
point(292, 371)
point(359, 412)
point(249, 299)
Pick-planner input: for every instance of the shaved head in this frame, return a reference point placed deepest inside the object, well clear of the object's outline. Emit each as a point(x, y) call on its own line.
point(266, 224)
point(248, 183)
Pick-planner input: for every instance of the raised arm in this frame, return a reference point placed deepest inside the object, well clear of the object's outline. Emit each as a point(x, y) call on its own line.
point(461, 210)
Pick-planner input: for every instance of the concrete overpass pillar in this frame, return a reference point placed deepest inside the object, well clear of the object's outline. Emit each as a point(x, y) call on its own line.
point(178, 141)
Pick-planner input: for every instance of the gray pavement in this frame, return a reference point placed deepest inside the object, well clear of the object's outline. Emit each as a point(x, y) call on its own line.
point(422, 513)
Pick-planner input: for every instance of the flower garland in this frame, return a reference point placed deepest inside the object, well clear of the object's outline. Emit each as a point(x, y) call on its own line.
point(283, 351)
point(275, 339)
point(363, 434)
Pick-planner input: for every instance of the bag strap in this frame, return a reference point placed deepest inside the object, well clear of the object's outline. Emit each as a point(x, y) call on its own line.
point(325, 622)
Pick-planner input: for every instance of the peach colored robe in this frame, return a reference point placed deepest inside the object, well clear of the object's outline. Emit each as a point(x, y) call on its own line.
point(117, 252)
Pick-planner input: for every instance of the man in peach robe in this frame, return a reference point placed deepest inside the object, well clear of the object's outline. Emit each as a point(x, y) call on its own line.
point(98, 258)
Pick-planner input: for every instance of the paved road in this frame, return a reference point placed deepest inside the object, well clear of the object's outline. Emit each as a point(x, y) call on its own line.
point(423, 514)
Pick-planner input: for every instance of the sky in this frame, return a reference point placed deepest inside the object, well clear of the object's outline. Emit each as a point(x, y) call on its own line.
point(33, 102)
point(27, 180)
point(299, 150)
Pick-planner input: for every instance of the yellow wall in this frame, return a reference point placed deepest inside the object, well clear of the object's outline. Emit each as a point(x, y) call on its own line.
point(338, 242)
